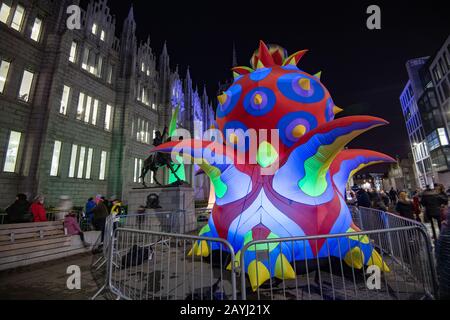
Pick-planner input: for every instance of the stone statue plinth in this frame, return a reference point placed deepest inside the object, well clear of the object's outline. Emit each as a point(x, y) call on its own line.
point(171, 200)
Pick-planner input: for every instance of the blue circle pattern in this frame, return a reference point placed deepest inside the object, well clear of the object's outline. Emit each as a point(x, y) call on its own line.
point(287, 119)
point(233, 95)
point(285, 85)
point(236, 125)
point(290, 67)
point(329, 112)
point(260, 74)
point(269, 100)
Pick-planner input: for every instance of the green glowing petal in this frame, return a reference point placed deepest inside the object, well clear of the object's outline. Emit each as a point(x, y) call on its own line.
point(314, 183)
point(214, 175)
point(266, 155)
point(205, 229)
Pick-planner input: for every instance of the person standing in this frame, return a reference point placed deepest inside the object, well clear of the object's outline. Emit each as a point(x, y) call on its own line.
point(100, 213)
point(432, 204)
point(416, 204)
point(444, 202)
point(89, 208)
point(38, 210)
point(393, 196)
point(405, 207)
point(363, 198)
point(385, 198)
point(116, 212)
point(18, 211)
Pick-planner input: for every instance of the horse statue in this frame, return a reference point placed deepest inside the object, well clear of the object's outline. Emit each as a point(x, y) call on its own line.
point(159, 160)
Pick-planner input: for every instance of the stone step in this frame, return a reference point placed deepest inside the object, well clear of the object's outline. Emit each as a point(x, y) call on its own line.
point(35, 254)
point(17, 231)
point(44, 258)
point(30, 225)
point(27, 243)
point(29, 250)
point(32, 235)
point(61, 247)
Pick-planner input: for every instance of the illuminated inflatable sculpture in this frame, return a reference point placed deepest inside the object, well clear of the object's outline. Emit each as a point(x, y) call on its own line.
point(305, 195)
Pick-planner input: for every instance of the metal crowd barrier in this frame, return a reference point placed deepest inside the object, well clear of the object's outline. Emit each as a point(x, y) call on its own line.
point(150, 265)
point(149, 260)
point(373, 219)
point(410, 272)
point(164, 221)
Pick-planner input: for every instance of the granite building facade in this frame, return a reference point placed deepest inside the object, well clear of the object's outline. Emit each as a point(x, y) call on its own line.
point(80, 107)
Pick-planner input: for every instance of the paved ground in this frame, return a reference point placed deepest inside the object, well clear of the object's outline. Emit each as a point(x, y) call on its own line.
point(47, 281)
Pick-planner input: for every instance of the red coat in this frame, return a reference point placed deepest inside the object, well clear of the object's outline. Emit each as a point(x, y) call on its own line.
point(38, 211)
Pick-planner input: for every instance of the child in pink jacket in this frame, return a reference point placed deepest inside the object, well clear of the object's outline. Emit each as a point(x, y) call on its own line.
point(73, 228)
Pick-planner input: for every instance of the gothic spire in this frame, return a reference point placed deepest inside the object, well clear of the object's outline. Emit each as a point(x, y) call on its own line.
point(131, 14)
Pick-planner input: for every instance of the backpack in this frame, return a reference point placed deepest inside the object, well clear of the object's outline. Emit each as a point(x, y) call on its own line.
point(136, 256)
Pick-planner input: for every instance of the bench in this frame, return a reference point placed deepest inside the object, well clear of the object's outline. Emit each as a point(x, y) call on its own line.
point(26, 243)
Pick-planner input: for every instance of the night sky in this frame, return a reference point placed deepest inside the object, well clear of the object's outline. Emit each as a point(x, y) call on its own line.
point(364, 70)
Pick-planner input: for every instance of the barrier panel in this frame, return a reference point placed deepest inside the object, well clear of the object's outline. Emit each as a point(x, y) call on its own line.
point(373, 219)
point(146, 262)
point(405, 270)
point(149, 265)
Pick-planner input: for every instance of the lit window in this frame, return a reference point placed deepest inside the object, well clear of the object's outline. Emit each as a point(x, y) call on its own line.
point(442, 137)
point(65, 100)
point(55, 159)
point(102, 35)
point(148, 72)
point(81, 162)
point(136, 168)
point(153, 106)
point(5, 10)
point(17, 20)
point(138, 130)
point(94, 29)
point(80, 108)
point(99, 66)
point(12, 152)
point(94, 112)
point(110, 74)
point(108, 117)
point(73, 52)
point(25, 87)
point(84, 64)
point(89, 163)
point(36, 31)
point(143, 67)
point(87, 112)
point(73, 161)
point(103, 165)
point(4, 68)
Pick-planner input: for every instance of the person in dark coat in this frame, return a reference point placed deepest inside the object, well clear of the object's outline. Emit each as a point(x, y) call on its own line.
point(18, 212)
point(440, 189)
point(377, 201)
point(393, 196)
point(100, 213)
point(363, 198)
point(432, 202)
point(385, 198)
point(405, 207)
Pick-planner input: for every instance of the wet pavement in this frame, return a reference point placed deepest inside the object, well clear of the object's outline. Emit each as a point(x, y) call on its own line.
point(48, 281)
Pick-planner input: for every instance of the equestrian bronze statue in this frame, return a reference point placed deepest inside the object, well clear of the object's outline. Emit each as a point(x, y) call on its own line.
point(159, 160)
